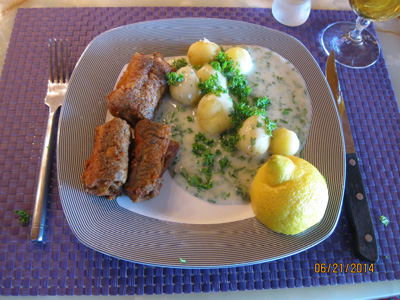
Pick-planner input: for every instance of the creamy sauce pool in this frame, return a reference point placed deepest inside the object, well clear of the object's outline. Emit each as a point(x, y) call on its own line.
point(272, 76)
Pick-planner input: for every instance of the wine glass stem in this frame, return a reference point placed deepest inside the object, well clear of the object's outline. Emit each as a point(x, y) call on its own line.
point(361, 24)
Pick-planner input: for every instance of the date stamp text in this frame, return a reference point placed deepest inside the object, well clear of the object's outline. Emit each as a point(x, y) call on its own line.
point(336, 268)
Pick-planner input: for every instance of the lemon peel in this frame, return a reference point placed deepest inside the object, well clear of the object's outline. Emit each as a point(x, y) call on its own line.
point(288, 194)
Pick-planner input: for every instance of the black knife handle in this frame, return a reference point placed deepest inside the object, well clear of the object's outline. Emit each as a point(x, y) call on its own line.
point(355, 198)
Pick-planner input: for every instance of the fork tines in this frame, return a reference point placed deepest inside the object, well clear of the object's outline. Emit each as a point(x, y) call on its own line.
point(58, 68)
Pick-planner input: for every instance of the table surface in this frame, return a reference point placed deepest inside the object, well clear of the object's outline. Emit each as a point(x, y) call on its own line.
point(389, 36)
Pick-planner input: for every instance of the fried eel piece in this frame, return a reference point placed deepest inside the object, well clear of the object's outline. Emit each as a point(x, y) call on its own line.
point(107, 169)
point(152, 154)
point(139, 91)
point(172, 151)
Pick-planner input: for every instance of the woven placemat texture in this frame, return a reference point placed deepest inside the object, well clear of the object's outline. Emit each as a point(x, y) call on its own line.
point(63, 266)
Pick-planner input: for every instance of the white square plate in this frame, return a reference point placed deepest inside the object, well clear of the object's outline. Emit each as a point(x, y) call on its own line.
point(109, 228)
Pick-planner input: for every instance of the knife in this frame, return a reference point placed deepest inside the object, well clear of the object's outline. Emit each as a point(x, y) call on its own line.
point(355, 198)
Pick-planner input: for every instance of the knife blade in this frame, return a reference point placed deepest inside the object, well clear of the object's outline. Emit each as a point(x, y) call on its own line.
point(355, 198)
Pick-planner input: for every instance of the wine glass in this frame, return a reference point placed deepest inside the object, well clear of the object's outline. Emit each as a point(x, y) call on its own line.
point(354, 46)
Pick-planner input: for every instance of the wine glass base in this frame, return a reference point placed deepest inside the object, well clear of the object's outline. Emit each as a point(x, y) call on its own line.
point(347, 52)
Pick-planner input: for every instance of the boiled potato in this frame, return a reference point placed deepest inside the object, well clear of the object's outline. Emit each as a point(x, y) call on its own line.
point(187, 91)
point(242, 59)
point(284, 142)
point(213, 113)
point(202, 52)
point(253, 139)
point(207, 70)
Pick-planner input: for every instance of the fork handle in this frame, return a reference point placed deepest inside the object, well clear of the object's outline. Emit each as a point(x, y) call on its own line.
point(40, 209)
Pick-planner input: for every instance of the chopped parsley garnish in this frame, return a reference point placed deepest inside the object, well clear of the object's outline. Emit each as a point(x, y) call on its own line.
point(239, 86)
point(23, 216)
point(190, 119)
point(223, 63)
point(235, 172)
point(240, 191)
point(197, 181)
point(179, 63)
point(197, 67)
point(286, 111)
point(201, 137)
point(173, 78)
point(242, 109)
point(198, 149)
point(237, 82)
point(229, 139)
point(223, 163)
point(211, 86)
point(177, 130)
point(225, 195)
point(269, 126)
point(202, 147)
point(384, 220)
point(262, 102)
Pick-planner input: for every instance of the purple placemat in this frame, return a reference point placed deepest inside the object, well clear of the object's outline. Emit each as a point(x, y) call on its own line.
point(63, 266)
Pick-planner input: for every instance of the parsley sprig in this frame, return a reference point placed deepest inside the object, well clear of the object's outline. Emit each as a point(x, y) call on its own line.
point(174, 78)
point(384, 220)
point(179, 63)
point(241, 111)
point(23, 216)
point(211, 86)
point(237, 82)
point(242, 108)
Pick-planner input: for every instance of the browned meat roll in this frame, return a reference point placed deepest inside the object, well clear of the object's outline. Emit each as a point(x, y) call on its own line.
point(172, 151)
point(139, 91)
point(106, 170)
point(152, 154)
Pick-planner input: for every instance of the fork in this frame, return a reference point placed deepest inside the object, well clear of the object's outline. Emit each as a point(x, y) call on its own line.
point(57, 86)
